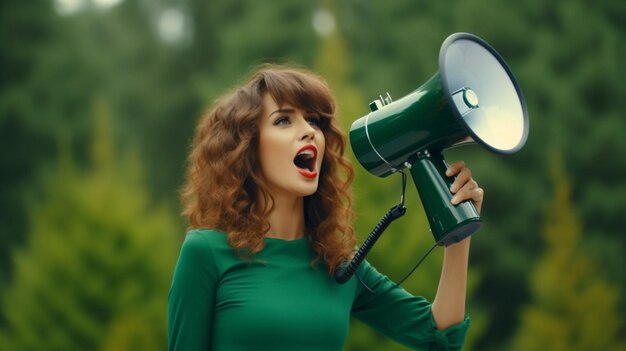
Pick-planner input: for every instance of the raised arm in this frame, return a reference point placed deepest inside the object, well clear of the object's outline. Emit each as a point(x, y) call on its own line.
point(449, 305)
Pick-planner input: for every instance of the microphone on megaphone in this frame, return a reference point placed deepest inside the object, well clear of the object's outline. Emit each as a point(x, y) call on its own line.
point(473, 98)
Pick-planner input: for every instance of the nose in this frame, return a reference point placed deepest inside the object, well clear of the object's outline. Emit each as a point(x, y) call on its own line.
point(307, 131)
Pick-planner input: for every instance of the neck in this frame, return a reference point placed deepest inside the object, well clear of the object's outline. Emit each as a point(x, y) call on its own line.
point(286, 218)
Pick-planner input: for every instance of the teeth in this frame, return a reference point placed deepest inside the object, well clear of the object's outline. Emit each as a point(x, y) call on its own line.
point(307, 153)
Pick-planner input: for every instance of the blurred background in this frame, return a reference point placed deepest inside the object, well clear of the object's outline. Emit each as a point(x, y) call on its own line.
point(98, 103)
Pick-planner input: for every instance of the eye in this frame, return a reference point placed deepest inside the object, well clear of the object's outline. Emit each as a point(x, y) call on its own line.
point(281, 121)
point(314, 121)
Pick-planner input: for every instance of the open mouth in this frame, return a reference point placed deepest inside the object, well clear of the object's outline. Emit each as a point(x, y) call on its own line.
point(305, 161)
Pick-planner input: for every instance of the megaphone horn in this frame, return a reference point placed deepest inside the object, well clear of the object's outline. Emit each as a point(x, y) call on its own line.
point(473, 98)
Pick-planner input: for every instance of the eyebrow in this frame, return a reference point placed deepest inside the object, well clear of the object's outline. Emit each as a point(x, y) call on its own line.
point(288, 110)
point(282, 110)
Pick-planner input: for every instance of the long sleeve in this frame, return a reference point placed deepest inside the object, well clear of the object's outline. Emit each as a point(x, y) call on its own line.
point(405, 318)
point(192, 295)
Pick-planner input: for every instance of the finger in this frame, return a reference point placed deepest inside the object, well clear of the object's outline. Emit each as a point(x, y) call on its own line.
point(462, 178)
point(468, 192)
point(455, 168)
point(471, 191)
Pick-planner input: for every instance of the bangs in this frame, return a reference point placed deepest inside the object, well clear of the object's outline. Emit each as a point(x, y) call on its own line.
point(299, 89)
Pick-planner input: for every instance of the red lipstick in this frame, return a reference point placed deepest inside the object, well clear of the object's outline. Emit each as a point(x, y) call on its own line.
point(305, 161)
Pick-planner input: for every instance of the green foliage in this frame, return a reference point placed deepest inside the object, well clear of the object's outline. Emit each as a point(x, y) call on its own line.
point(567, 57)
point(573, 306)
point(96, 268)
point(23, 146)
point(405, 240)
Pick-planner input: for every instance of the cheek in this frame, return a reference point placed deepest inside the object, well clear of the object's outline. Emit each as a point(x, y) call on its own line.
point(265, 155)
point(321, 146)
point(273, 155)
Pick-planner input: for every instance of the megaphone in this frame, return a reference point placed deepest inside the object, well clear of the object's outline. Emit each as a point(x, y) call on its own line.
point(473, 98)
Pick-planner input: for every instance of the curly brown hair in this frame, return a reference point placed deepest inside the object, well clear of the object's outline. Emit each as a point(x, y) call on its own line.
point(223, 179)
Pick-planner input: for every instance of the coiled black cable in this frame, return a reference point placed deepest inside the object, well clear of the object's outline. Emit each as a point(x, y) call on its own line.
point(345, 272)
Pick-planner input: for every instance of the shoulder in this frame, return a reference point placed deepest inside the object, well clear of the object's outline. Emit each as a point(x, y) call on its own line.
point(202, 244)
point(204, 238)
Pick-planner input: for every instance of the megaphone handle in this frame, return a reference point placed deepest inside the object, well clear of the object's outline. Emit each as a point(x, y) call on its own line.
point(449, 223)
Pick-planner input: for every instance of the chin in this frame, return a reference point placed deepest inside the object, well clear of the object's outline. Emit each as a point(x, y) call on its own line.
point(308, 191)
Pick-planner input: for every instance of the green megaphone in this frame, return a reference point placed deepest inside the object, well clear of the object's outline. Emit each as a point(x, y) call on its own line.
point(473, 98)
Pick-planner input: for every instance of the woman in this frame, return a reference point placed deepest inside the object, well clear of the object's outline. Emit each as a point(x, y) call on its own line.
point(269, 203)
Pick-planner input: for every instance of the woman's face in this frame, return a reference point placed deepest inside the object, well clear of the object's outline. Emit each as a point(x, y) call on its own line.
point(291, 149)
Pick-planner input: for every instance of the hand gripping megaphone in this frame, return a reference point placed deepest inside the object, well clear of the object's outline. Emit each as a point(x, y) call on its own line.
point(473, 98)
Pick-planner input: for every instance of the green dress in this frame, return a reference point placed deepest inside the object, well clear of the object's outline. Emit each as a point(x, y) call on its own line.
point(278, 301)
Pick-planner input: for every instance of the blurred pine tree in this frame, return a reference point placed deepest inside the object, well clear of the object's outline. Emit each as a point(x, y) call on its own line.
point(26, 29)
point(573, 306)
point(404, 240)
point(567, 57)
point(98, 260)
